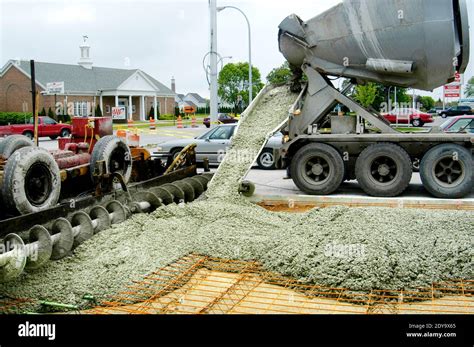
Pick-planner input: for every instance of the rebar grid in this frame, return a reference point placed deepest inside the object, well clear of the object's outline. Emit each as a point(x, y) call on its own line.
point(204, 285)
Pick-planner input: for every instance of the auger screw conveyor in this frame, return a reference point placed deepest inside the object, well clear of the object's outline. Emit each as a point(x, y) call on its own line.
point(53, 201)
point(407, 43)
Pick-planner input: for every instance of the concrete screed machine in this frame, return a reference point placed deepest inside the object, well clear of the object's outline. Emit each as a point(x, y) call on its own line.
point(407, 43)
point(52, 201)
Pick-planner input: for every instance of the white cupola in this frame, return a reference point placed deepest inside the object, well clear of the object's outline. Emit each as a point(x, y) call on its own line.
point(85, 61)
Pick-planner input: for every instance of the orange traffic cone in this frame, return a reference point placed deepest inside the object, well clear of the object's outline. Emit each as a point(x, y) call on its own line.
point(180, 122)
point(193, 122)
point(152, 123)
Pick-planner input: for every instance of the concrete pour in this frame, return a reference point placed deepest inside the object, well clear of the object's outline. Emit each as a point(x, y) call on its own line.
point(357, 248)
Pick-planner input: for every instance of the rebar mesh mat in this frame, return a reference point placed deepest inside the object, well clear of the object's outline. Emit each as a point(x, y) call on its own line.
point(203, 285)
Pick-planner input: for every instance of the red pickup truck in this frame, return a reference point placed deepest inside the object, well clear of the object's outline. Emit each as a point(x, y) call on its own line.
point(46, 127)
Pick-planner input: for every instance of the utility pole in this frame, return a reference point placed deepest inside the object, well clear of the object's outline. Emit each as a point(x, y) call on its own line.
point(213, 60)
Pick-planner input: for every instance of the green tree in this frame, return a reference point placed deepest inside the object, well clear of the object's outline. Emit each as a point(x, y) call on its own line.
point(427, 102)
point(42, 113)
point(151, 114)
point(51, 114)
point(233, 83)
point(280, 75)
point(469, 90)
point(98, 111)
point(366, 94)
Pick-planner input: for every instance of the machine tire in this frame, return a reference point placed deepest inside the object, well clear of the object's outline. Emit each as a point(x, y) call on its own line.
point(116, 154)
point(379, 162)
point(329, 164)
point(13, 143)
point(432, 164)
point(266, 160)
point(26, 167)
point(53, 137)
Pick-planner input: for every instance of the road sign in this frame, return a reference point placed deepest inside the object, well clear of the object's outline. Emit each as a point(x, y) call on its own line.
point(457, 77)
point(452, 95)
point(118, 113)
point(55, 88)
point(452, 87)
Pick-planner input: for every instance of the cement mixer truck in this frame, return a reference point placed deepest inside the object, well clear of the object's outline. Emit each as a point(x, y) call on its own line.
point(408, 43)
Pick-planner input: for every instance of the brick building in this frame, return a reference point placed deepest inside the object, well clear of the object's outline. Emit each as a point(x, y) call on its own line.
point(85, 86)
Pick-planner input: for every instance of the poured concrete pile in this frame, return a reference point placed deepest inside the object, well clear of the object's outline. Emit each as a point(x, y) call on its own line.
point(360, 249)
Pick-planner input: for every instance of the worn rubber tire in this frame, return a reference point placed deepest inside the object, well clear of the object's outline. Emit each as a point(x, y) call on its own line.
point(433, 184)
point(112, 148)
point(263, 160)
point(334, 161)
point(12, 143)
point(14, 192)
point(402, 178)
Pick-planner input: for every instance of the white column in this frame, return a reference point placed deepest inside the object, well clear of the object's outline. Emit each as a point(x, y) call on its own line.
point(155, 105)
point(130, 107)
point(101, 104)
point(142, 108)
point(116, 100)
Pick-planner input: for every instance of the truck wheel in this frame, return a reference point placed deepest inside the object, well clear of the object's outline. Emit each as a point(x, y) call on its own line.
point(266, 160)
point(384, 169)
point(447, 171)
point(317, 169)
point(13, 143)
point(115, 153)
point(31, 182)
point(28, 134)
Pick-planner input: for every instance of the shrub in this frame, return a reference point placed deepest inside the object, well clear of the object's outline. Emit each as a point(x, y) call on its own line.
point(14, 118)
point(167, 117)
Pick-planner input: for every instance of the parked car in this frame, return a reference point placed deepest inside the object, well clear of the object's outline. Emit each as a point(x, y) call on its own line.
point(459, 124)
point(214, 143)
point(467, 102)
point(456, 111)
point(222, 118)
point(409, 116)
point(46, 127)
point(435, 111)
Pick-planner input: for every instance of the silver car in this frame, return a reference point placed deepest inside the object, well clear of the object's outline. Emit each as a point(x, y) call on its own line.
point(213, 143)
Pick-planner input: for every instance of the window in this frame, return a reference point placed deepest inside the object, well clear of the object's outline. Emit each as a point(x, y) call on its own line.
point(107, 108)
point(466, 124)
point(81, 109)
point(222, 133)
point(48, 120)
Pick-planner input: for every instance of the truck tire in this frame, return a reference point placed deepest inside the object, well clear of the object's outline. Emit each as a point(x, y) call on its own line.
point(447, 171)
point(31, 181)
point(29, 134)
point(13, 143)
point(116, 154)
point(266, 160)
point(317, 169)
point(65, 133)
point(384, 170)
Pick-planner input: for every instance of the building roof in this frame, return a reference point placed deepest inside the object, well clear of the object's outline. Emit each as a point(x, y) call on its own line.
point(190, 103)
point(198, 97)
point(78, 79)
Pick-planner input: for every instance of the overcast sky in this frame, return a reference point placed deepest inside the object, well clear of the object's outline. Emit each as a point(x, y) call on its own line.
point(164, 38)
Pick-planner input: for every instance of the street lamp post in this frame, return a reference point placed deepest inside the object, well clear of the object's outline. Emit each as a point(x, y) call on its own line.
point(219, 9)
